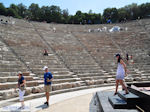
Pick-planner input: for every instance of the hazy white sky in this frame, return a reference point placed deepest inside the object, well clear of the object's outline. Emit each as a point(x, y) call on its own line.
point(96, 6)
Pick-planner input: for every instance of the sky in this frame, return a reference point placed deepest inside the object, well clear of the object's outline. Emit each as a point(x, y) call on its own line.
point(97, 6)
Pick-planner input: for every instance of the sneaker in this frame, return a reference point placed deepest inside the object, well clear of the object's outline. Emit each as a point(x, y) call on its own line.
point(115, 93)
point(46, 103)
point(22, 107)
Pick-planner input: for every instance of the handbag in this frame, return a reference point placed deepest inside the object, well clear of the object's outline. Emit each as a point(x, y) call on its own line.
point(22, 87)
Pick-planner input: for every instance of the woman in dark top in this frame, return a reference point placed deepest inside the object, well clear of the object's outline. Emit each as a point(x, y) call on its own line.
point(21, 86)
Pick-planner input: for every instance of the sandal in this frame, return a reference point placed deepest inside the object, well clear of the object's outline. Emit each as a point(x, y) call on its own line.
point(127, 92)
point(115, 93)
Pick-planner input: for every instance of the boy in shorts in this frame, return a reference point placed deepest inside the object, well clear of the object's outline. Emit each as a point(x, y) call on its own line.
point(48, 77)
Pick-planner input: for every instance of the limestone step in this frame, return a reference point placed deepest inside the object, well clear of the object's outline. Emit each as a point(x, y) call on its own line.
point(37, 95)
point(51, 69)
point(11, 93)
point(12, 69)
point(117, 102)
point(85, 67)
point(96, 74)
point(8, 85)
point(61, 76)
point(10, 66)
point(90, 74)
point(1, 98)
point(4, 74)
point(97, 77)
point(54, 73)
point(14, 79)
point(86, 71)
point(129, 98)
point(51, 66)
point(57, 81)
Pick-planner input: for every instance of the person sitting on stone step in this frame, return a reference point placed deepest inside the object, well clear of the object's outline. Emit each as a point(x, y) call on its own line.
point(45, 52)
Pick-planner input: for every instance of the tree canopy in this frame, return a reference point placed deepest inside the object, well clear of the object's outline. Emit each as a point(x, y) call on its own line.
point(56, 14)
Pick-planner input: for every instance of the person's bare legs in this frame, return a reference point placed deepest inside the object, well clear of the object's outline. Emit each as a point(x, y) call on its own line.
point(47, 96)
point(123, 86)
point(22, 103)
point(117, 82)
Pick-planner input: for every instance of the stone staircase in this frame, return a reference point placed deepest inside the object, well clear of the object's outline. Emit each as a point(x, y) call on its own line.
point(124, 101)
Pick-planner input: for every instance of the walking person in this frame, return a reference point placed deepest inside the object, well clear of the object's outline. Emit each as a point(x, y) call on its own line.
point(21, 86)
point(48, 77)
point(121, 73)
point(127, 58)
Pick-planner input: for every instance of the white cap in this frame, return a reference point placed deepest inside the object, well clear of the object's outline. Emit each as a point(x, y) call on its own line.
point(45, 67)
point(19, 72)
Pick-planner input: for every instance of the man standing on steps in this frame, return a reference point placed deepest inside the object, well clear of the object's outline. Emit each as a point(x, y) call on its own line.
point(48, 77)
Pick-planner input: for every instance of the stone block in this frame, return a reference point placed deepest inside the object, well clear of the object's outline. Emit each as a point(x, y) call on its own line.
point(56, 87)
point(137, 78)
point(129, 79)
point(66, 85)
point(3, 80)
point(100, 81)
point(28, 91)
point(12, 79)
point(89, 82)
point(26, 73)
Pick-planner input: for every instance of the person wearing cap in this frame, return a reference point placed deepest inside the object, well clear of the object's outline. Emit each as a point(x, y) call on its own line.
point(121, 73)
point(48, 77)
point(21, 86)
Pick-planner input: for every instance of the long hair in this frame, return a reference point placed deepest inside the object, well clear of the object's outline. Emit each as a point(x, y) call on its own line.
point(120, 58)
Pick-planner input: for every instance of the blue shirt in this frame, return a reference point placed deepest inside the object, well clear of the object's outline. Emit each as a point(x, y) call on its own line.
point(49, 76)
point(20, 81)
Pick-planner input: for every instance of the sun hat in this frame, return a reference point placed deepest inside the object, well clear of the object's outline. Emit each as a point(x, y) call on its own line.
point(45, 67)
point(19, 73)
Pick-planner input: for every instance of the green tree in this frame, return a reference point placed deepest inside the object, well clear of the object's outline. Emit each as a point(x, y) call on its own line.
point(65, 16)
point(2, 9)
point(144, 10)
point(133, 11)
point(110, 13)
point(122, 14)
point(55, 13)
point(22, 10)
point(11, 12)
point(34, 9)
